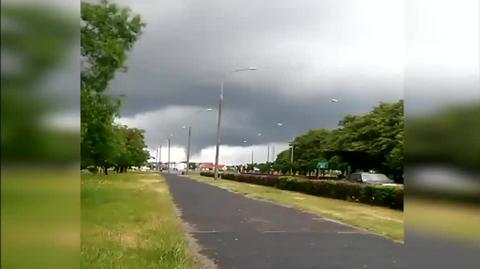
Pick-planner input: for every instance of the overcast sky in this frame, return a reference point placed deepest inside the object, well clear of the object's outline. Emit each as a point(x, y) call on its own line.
point(306, 52)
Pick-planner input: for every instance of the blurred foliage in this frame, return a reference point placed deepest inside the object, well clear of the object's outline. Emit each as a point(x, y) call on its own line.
point(35, 38)
point(107, 33)
point(370, 141)
point(40, 217)
point(40, 204)
point(34, 41)
point(451, 136)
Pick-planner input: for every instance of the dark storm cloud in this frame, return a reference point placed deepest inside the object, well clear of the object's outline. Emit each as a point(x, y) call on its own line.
point(306, 52)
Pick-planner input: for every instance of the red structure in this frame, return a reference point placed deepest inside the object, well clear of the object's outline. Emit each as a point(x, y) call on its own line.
point(210, 166)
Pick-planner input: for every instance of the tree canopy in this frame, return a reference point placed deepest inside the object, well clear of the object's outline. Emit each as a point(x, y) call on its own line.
point(370, 141)
point(107, 33)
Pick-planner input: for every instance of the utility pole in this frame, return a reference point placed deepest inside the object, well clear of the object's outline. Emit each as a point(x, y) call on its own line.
point(273, 152)
point(291, 157)
point(252, 158)
point(156, 157)
point(268, 153)
point(160, 158)
point(217, 148)
point(188, 149)
point(169, 155)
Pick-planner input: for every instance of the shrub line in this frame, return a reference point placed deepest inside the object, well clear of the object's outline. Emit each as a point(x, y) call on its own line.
point(379, 195)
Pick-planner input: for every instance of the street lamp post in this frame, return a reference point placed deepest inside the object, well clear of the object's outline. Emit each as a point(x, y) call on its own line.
point(169, 143)
point(159, 157)
point(188, 149)
point(292, 149)
point(268, 153)
point(168, 155)
point(189, 139)
point(251, 159)
point(279, 124)
point(273, 153)
point(217, 147)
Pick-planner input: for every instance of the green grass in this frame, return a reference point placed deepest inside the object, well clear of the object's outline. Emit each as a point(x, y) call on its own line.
point(379, 220)
point(40, 216)
point(129, 221)
point(448, 219)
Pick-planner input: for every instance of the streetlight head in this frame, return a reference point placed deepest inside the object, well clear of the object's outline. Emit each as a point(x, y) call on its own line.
point(279, 124)
point(252, 68)
point(244, 141)
point(333, 100)
point(209, 109)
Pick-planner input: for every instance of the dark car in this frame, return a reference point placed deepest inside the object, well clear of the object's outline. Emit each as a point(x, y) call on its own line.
point(371, 178)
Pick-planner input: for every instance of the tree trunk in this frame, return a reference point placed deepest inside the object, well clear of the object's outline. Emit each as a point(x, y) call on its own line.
point(105, 170)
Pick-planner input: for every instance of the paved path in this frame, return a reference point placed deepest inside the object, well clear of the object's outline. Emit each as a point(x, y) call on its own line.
point(238, 232)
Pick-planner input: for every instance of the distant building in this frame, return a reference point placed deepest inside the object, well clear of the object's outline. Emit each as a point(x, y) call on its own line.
point(210, 166)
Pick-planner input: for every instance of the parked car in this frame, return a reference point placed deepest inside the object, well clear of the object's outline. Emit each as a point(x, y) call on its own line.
point(371, 178)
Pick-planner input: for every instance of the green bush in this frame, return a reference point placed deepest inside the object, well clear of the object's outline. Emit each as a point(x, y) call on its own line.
point(387, 196)
point(207, 174)
point(383, 196)
point(247, 178)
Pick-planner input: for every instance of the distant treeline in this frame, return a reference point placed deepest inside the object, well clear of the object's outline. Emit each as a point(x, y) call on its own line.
point(373, 141)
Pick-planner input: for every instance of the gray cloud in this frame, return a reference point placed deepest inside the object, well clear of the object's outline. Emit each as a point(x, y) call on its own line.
point(306, 52)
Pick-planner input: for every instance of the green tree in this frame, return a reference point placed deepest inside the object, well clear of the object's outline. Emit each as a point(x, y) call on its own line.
point(282, 163)
point(310, 148)
point(130, 148)
point(107, 33)
point(264, 167)
point(370, 141)
point(378, 133)
point(136, 147)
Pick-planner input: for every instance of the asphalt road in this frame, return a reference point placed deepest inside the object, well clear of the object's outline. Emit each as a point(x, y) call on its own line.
point(238, 232)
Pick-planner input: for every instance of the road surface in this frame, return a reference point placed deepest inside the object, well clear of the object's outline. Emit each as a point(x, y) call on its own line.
point(239, 232)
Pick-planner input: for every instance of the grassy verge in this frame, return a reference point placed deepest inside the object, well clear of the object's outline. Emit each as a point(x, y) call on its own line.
point(40, 216)
point(452, 220)
point(379, 220)
point(129, 221)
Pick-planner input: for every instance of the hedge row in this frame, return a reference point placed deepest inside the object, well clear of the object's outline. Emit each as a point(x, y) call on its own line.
point(210, 174)
point(321, 177)
point(247, 178)
point(387, 196)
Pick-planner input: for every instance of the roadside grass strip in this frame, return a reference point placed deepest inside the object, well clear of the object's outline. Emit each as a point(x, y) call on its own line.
point(129, 221)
